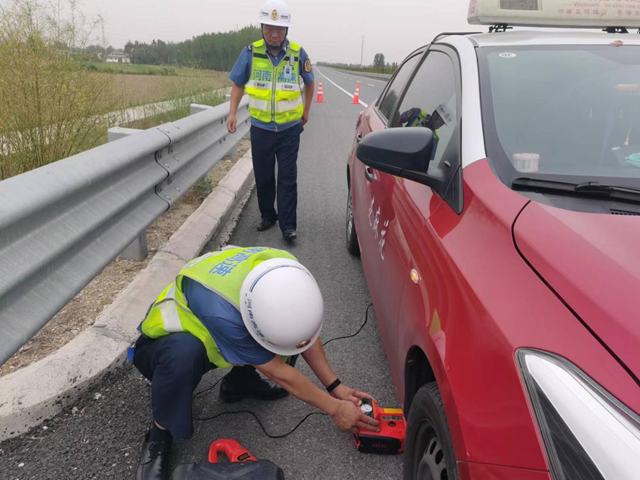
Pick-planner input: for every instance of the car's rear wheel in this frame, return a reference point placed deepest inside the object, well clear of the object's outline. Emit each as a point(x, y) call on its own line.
point(352, 237)
point(429, 453)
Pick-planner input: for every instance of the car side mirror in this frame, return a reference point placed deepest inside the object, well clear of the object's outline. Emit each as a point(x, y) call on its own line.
point(396, 150)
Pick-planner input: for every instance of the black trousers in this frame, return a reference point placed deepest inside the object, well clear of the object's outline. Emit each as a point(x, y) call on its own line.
point(266, 148)
point(175, 365)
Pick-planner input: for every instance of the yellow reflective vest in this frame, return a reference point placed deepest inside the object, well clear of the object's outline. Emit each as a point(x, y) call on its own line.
point(221, 272)
point(274, 92)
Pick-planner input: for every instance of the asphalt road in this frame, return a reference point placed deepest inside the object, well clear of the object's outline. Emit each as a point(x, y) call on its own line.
point(370, 89)
point(100, 436)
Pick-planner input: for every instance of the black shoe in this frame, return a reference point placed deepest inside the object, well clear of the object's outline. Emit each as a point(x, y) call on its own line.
point(258, 389)
point(154, 461)
point(265, 225)
point(290, 235)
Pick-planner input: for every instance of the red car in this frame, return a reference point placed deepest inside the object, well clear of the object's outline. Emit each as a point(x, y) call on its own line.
point(494, 195)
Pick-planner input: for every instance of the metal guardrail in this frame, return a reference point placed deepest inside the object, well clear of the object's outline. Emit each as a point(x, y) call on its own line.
point(61, 224)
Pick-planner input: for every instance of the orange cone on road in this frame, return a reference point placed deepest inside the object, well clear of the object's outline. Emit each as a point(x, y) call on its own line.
point(356, 97)
point(320, 98)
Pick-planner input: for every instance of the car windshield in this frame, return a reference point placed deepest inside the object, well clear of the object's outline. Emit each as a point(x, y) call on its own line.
point(571, 112)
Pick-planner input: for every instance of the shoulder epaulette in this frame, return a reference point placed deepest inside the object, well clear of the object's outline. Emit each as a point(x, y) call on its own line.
point(296, 47)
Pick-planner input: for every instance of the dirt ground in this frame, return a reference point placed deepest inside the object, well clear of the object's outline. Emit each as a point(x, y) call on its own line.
point(84, 309)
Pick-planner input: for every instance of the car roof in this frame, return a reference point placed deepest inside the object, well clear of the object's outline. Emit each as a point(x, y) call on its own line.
point(545, 37)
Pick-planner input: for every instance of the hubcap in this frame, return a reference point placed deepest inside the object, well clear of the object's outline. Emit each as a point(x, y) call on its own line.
point(431, 465)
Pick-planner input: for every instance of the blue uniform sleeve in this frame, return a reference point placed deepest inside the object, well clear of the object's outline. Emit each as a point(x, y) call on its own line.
point(224, 323)
point(307, 77)
point(242, 69)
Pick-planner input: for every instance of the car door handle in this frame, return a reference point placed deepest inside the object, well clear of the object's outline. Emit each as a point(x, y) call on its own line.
point(368, 173)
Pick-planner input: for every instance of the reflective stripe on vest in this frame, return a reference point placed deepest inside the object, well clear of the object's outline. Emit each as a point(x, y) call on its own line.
point(221, 272)
point(275, 93)
point(418, 120)
point(288, 105)
point(169, 312)
point(255, 104)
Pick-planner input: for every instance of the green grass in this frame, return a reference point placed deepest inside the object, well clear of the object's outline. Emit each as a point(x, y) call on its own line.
point(135, 69)
point(11, 165)
point(53, 104)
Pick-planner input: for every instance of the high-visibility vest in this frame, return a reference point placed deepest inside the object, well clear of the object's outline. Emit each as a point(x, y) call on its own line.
point(221, 272)
point(414, 117)
point(274, 92)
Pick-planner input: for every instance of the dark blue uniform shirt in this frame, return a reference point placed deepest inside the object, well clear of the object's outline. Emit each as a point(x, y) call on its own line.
point(225, 325)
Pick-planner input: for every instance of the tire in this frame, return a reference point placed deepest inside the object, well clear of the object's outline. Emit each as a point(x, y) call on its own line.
point(352, 237)
point(429, 453)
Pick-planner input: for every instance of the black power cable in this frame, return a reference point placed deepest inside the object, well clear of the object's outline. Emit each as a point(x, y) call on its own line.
point(366, 319)
point(248, 412)
point(206, 419)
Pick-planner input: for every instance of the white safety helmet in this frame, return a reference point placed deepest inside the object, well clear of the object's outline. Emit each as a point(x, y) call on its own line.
point(282, 306)
point(276, 13)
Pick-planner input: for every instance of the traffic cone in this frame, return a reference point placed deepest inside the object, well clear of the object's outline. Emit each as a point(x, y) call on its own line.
point(320, 98)
point(356, 97)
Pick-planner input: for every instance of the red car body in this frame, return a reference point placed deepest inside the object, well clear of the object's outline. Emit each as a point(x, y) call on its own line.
point(457, 295)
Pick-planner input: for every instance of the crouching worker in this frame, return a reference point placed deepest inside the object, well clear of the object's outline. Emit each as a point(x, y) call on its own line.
point(249, 308)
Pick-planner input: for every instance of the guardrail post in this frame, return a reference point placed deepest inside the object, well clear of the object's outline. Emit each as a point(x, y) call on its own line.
point(117, 133)
point(196, 108)
point(138, 249)
point(233, 152)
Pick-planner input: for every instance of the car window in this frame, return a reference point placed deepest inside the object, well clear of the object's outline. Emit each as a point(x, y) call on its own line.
point(430, 101)
point(569, 110)
point(390, 100)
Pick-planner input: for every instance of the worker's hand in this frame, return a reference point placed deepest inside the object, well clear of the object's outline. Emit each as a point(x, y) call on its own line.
point(232, 123)
point(343, 392)
point(305, 118)
point(349, 418)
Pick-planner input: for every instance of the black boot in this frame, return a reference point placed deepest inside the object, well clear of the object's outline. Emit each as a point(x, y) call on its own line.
point(290, 235)
point(245, 382)
point(265, 225)
point(154, 461)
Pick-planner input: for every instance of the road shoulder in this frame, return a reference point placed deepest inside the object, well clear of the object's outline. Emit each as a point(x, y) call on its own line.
point(41, 390)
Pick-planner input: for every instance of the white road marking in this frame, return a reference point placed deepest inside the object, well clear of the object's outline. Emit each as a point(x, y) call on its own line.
point(335, 84)
point(371, 85)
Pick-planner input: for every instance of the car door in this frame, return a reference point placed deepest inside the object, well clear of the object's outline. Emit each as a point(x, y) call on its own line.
point(407, 247)
point(366, 194)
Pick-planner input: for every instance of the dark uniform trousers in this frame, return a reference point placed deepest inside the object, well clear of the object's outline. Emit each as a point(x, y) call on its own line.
point(266, 148)
point(175, 365)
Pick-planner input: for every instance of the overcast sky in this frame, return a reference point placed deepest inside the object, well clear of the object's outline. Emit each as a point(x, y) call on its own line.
point(330, 30)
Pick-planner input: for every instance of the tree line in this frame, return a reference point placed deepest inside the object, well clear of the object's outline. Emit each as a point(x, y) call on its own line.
point(214, 51)
point(380, 65)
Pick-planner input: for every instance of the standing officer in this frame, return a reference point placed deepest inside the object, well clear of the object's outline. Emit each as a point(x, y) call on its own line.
point(241, 306)
point(270, 69)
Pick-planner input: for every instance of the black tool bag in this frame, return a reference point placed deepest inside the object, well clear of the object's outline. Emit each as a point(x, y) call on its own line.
point(260, 470)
